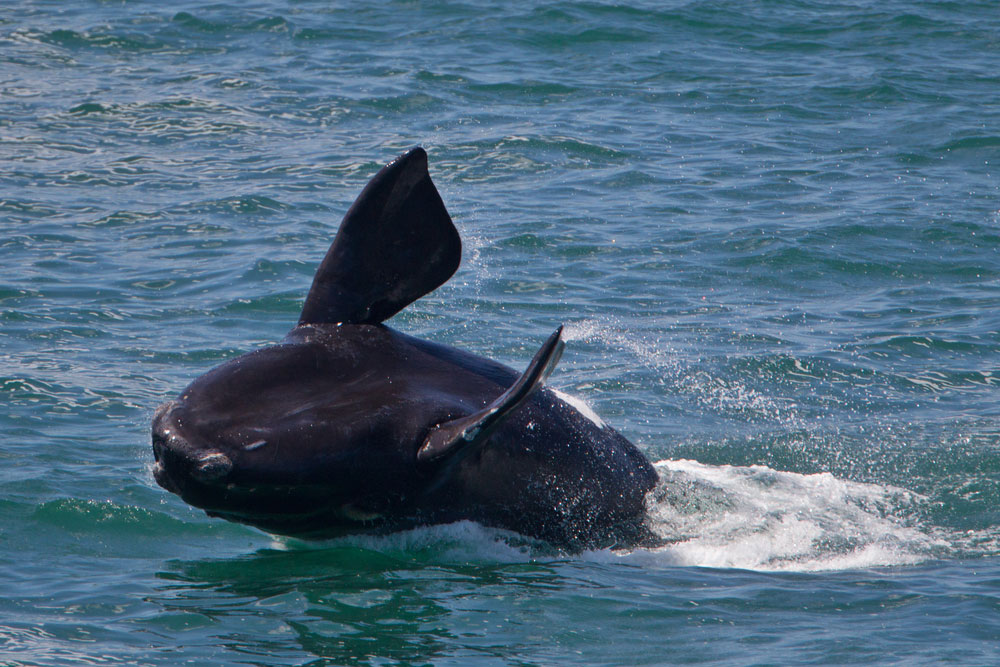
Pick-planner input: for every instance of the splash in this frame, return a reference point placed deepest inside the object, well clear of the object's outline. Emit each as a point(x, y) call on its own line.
point(757, 518)
point(722, 395)
point(653, 354)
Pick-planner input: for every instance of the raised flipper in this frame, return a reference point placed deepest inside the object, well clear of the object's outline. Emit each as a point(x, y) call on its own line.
point(396, 244)
point(454, 440)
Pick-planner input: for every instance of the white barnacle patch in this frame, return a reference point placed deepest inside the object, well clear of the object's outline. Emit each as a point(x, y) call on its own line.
point(581, 407)
point(256, 444)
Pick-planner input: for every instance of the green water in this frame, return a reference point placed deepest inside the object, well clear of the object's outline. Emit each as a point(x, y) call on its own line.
point(771, 231)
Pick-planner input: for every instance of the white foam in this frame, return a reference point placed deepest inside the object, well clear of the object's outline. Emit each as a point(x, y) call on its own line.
point(757, 518)
point(581, 407)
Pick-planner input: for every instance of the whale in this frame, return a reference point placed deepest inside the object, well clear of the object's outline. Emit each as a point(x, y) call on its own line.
point(348, 426)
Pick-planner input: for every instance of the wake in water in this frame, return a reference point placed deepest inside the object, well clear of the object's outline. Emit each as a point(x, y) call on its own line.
point(753, 517)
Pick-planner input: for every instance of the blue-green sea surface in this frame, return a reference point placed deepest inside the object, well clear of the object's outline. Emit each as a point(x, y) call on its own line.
point(772, 232)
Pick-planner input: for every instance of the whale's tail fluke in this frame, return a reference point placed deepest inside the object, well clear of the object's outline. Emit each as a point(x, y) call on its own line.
point(396, 244)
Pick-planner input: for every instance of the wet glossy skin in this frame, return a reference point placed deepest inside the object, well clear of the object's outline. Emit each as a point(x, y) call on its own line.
point(318, 436)
point(349, 426)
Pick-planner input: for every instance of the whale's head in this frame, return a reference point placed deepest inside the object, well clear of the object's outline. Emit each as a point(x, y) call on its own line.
point(289, 438)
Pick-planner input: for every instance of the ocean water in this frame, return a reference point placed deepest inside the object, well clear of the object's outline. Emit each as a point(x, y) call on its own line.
point(771, 230)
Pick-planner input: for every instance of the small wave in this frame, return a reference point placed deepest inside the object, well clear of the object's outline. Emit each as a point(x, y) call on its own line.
point(462, 541)
point(40, 646)
point(96, 39)
point(208, 26)
point(78, 515)
point(988, 142)
point(25, 209)
point(174, 118)
point(242, 204)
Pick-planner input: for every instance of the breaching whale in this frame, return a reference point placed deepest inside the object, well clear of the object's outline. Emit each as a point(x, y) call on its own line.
point(349, 426)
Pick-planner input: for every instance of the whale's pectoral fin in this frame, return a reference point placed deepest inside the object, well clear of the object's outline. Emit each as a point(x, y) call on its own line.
point(456, 439)
point(395, 244)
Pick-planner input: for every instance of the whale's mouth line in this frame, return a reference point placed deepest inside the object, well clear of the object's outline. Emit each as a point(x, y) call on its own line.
point(346, 515)
point(303, 526)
